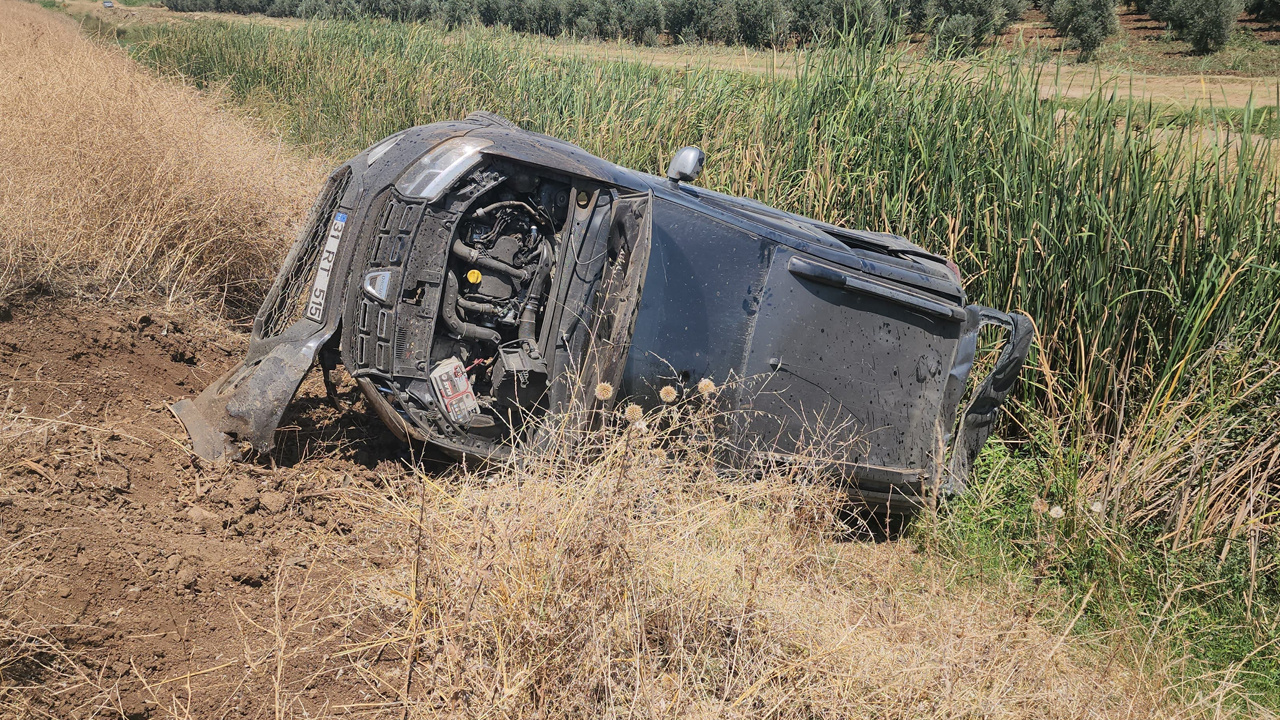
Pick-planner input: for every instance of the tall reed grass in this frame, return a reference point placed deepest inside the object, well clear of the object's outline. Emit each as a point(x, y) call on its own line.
point(1162, 532)
point(1135, 248)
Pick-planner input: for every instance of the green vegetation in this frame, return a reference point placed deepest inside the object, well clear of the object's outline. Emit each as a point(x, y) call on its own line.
point(952, 26)
point(1268, 9)
point(1147, 252)
point(1087, 22)
point(956, 24)
point(758, 23)
point(1206, 24)
point(1245, 55)
point(1140, 544)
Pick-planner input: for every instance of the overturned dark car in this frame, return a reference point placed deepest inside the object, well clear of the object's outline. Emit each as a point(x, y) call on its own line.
point(474, 277)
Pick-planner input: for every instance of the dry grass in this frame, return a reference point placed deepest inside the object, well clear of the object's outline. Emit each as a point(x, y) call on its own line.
point(641, 582)
point(1205, 466)
point(631, 577)
point(117, 183)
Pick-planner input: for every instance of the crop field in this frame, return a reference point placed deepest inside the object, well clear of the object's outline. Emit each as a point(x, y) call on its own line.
point(342, 576)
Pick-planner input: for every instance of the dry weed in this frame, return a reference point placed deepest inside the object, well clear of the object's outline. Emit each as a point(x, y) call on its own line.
point(637, 580)
point(117, 183)
point(1204, 464)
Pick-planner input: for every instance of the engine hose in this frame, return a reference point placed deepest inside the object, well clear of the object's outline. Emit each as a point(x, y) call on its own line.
point(529, 316)
point(473, 256)
point(450, 312)
point(479, 307)
point(538, 216)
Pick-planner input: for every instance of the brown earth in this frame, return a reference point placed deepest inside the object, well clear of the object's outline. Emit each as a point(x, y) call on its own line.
point(150, 567)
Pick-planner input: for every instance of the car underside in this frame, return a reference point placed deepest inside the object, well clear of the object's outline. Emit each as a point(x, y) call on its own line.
point(477, 279)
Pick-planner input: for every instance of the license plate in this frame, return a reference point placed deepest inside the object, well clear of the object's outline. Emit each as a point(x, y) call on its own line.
point(315, 303)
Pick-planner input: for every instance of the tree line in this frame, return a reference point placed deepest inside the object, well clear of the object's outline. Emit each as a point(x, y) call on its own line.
point(952, 25)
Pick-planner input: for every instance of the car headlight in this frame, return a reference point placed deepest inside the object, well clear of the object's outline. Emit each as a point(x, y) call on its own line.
point(440, 168)
point(377, 151)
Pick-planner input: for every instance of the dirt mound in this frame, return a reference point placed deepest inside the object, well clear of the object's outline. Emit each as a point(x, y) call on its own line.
point(144, 564)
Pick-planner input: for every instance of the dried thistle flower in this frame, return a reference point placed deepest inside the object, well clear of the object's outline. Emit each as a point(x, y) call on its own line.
point(1039, 506)
point(668, 394)
point(633, 413)
point(604, 391)
point(706, 386)
point(1057, 512)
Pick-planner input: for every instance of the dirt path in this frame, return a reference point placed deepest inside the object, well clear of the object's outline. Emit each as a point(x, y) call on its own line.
point(1221, 91)
point(125, 16)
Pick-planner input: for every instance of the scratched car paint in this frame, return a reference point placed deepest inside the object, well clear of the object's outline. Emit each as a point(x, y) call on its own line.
point(475, 278)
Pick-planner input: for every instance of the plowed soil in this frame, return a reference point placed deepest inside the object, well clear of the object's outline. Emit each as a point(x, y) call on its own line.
point(147, 564)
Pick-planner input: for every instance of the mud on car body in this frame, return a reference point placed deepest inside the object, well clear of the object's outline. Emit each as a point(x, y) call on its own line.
point(473, 276)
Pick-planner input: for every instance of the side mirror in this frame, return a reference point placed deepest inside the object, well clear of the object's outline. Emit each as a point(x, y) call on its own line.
point(686, 165)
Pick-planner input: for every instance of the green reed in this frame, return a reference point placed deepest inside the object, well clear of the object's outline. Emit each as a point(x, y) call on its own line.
point(1133, 245)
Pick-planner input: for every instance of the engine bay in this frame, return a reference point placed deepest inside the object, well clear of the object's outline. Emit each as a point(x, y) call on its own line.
point(495, 288)
point(451, 326)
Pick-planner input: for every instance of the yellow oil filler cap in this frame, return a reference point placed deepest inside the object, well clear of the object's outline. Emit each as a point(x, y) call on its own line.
point(474, 277)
